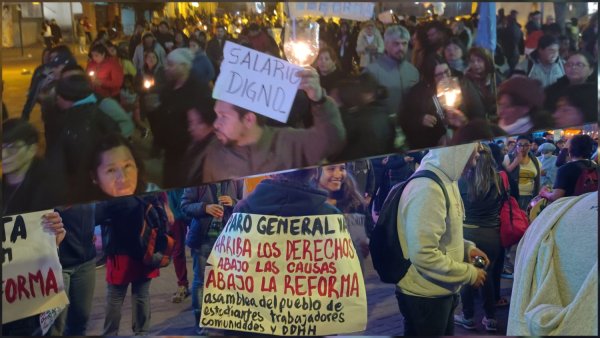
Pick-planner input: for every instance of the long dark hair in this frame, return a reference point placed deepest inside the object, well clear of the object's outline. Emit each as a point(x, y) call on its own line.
point(348, 199)
point(483, 176)
point(108, 142)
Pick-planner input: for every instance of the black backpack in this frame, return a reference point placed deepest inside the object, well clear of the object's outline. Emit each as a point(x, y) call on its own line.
point(386, 252)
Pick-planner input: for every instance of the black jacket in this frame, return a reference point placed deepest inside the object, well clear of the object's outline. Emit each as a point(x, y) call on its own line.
point(286, 199)
point(193, 204)
point(83, 126)
point(39, 190)
point(78, 246)
point(369, 132)
point(411, 119)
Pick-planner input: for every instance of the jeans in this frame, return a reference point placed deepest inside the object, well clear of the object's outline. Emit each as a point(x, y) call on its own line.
point(200, 256)
point(427, 316)
point(80, 282)
point(179, 230)
point(140, 307)
point(488, 241)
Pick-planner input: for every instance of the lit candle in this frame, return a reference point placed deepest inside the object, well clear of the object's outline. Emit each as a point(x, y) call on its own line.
point(451, 97)
point(91, 73)
point(148, 83)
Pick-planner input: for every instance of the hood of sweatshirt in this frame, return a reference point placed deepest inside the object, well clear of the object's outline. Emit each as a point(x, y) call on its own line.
point(449, 160)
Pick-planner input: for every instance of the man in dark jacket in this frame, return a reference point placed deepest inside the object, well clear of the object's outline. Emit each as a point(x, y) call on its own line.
point(82, 126)
point(26, 185)
point(77, 255)
point(209, 206)
point(214, 48)
point(175, 100)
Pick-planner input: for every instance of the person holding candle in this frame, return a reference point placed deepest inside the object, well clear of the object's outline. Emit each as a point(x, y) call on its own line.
point(248, 146)
point(106, 74)
point(425, 120)
point(149, 83)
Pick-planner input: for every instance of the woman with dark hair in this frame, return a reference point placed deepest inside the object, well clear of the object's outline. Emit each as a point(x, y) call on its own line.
point(117, 172)
point(149, 83)
point(328, 66)
point(40, 73)
point(200, 117)
point(576, 106)
point(579, 69)
point(426, 122)
point(520, 101)
point(121, 54)
point(106, 74)
point(479, 86)
point(481, 191)
point(344, 195)
point(346, 48)
point(455, 54)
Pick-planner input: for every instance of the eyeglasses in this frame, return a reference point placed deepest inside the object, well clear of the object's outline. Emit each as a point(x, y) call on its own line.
point(442, 74)
point(523, 145)
point(13, 148)
point(576, 65)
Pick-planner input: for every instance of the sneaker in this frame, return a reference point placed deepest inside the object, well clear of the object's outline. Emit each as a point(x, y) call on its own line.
point(181, 294)
point(100, 263)
point(489, 324)
point(200, 331)
point(506, 274)
point(468, 324)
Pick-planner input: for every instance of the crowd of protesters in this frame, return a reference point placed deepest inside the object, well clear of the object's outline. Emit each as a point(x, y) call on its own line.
point(356, 189)
point(372, 91)
point(148, 83)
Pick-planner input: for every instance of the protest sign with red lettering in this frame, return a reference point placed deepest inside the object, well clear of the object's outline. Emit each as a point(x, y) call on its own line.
point(32, 280)
point(284, 276)
point(257, 81)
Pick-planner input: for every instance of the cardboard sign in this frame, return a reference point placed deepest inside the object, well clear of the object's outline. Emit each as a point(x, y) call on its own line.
point(284, 276)
point(359, 11)
point(32, 280)
point(257, 81)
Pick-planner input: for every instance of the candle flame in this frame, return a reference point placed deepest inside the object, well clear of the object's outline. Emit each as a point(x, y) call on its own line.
point(92, 73)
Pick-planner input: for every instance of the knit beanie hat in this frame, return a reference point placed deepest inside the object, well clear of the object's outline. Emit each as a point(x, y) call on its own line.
point(523, 91)
point(181, 55)
point(547, 148)
point(74, 88)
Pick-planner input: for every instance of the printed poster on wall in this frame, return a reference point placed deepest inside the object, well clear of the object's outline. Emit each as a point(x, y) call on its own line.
point(32, 280)
point(257, 81)
point(284, 276)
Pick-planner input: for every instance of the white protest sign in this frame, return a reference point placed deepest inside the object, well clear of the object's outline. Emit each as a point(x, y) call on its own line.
point(47, 318)
point(32, 280)
point(284, 276)
point(359, 11)
point(257, 81)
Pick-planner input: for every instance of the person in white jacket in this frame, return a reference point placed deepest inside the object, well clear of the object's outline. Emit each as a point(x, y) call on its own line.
point(369, 44)
point(555, 287)
point(432, 239)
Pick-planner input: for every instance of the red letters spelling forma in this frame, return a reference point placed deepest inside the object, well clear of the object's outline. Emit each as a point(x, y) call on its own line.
point(26, 286)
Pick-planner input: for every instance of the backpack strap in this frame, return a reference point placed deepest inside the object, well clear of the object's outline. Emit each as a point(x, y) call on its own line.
point(431, 175)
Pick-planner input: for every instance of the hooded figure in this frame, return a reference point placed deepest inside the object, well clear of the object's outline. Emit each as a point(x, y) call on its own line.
point(555, 287)
point(433, 241)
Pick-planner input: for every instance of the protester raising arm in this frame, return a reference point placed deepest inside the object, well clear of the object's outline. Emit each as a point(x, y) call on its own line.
point(327, 136)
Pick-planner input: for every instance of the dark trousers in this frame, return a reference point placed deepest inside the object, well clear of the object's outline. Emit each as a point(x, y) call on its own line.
point(179, 230)
point(427, 316)
point(488, 241)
